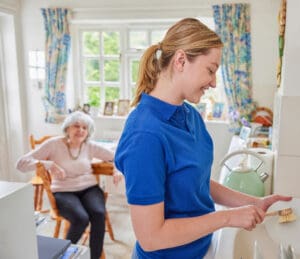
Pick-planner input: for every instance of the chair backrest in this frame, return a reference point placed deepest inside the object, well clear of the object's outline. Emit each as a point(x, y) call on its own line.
point(102, 168)
point(34, 141)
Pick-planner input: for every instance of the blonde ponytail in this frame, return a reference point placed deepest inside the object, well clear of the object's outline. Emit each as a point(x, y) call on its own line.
point(149, 70)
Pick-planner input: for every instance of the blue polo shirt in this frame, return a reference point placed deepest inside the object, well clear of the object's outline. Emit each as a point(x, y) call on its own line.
point(165, 154)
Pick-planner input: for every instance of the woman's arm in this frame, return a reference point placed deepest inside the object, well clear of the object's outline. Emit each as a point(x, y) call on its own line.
point(28, 161)
point(100, 152)
point(105, 154)
point(41, 154)
point(154, 232)
point(231, 198)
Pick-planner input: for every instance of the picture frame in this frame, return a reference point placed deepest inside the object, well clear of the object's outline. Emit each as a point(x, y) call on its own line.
point(245, 133)
point(201, 108)
point(86, 108)
point(123, 107)
point(217, 110)
point(109, 108)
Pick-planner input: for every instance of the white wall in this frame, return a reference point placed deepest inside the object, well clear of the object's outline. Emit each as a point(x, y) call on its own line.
point(13, 106)
point(287, 110)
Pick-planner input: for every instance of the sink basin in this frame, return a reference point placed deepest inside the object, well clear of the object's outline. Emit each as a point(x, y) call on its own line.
point(263, 242)
point(234, 243)
point(244, 244)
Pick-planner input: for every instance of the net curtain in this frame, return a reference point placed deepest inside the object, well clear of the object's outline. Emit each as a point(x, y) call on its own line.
point(233, 26)
point(57, 50)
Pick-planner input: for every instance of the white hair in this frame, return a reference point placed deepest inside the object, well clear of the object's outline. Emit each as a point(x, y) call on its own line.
point(78, 116)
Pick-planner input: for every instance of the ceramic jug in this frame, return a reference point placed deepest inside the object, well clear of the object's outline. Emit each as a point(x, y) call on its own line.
point(243, 178)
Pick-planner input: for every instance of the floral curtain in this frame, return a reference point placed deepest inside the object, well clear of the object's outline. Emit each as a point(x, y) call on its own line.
point(233, 25)
point(57, 50)
point(281, 21)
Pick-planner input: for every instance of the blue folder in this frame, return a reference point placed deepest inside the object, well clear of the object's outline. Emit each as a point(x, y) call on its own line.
point(51, 248)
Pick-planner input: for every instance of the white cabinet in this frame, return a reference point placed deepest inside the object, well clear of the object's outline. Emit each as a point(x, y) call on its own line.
point(17, 226)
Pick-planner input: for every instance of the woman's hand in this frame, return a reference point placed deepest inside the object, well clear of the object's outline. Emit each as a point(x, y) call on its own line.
point(56, 171)
point(117, 177)
point(246, 217)
point(265, 202)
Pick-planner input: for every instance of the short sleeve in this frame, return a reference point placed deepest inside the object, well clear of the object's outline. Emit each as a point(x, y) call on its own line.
point(140, 158)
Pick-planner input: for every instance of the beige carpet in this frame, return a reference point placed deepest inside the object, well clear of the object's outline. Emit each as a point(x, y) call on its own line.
point(118, 211)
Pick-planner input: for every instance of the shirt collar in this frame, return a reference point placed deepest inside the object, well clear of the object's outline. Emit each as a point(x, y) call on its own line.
point(166, 110)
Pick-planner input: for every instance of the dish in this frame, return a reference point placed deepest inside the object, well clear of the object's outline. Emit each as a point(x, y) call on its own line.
point(285, 233)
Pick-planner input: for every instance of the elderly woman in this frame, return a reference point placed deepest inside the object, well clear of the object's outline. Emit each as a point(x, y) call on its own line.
point(78, 196)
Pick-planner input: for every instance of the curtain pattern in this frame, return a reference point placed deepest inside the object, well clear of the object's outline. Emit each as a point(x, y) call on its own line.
point(233, 26)
point(281, 21)
point(57, 50)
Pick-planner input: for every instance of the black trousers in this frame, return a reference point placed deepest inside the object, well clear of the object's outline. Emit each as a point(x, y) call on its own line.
point(81, 208)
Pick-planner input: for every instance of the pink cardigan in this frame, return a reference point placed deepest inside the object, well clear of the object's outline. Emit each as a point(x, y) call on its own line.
point(79, 174)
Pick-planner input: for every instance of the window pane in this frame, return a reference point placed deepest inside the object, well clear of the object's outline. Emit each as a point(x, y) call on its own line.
point(111, 41)
point(91, 43)
point(133, 90)
point(111, 70)
point(138, 39)
point(112, 93)
point(134, 67)
point(157, 36)
point(36, 58)
point(92, 72)
point(93, 94)
point(33, 74)
point(41, 73)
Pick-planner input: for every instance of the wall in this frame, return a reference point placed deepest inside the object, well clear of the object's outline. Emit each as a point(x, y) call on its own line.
point(264, 48)
point(13, 106)
point(287, 110)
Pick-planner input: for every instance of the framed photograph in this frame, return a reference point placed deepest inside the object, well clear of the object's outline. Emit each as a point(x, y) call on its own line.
point(109, 108)
point(123, 107)
point(217, 110)
point(245, 133)
point(201, 107)
point(86, 108)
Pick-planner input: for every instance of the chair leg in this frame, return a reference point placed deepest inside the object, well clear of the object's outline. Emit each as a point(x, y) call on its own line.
point(107, 221)
point(40, 197)
point(85, 236)
point(57, 228)
point(102, 255)
point(66, 228)
point(109, 227)
point(37, 192)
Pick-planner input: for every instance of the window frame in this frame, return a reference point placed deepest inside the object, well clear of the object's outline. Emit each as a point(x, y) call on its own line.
point(125, 56)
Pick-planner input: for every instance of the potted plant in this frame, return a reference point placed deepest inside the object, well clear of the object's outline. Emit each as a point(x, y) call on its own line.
point(94, 100)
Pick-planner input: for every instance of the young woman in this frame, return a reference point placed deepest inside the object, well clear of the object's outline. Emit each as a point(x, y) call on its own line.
point(166, 153)
point(78, 196)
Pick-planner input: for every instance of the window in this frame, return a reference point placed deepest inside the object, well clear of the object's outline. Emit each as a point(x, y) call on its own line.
point(109, 58)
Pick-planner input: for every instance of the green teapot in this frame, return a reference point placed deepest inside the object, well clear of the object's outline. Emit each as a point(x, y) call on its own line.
point(244, 178)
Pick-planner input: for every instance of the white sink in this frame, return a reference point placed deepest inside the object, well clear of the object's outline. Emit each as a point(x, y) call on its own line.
point(244, 244)
point(264, 241)
point(236, 243)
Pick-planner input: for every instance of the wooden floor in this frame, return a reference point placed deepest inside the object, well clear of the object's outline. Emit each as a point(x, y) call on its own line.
point(118, 210)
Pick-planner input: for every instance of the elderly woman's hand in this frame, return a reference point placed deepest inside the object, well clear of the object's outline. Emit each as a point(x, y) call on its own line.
point(56, 171)
point(117, 177)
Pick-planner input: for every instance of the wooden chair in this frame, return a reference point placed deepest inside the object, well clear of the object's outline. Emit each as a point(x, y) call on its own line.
point(99, 169)
point(36, 181)
point(104, 168)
